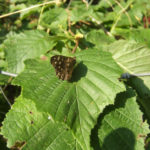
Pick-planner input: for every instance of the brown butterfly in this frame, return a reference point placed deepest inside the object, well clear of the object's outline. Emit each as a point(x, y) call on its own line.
point(63, 66)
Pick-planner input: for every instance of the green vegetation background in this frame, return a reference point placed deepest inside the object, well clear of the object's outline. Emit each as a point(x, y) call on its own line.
point(95, 110)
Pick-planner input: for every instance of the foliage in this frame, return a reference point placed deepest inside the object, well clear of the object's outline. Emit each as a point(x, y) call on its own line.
point(95, 109)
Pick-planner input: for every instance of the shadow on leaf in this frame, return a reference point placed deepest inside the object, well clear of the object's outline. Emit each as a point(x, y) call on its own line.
point(120, 101)
point(79, 72)
point(121, 138)
point(143, 95)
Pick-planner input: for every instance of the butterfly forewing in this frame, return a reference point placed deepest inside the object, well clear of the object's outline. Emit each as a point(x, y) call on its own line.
point(63, 66)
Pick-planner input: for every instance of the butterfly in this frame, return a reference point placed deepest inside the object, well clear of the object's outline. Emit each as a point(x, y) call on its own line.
point(63, 66)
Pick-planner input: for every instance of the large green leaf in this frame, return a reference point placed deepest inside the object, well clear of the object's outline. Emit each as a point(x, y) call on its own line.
point(30, 44)
point(79, 102)
point(123, 128)
point(134, 58)
point(24, 124)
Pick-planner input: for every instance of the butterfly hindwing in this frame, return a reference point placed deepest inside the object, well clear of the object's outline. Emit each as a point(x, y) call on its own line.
point(63, 66)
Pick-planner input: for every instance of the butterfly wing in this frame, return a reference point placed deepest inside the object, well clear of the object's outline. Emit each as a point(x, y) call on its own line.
point(63, 66)
point(69, 66)
point(58, 63)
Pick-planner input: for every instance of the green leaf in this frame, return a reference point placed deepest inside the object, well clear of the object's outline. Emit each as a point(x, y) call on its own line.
point(24, 124)
point(81, 12)
point(79, 102)
point(123, 128)
point(55, 19)
point(134, 58)
point(30, 44)
point(99, 38)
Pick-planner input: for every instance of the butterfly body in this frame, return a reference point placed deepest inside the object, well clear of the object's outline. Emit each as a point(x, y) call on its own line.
point(63, 66)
